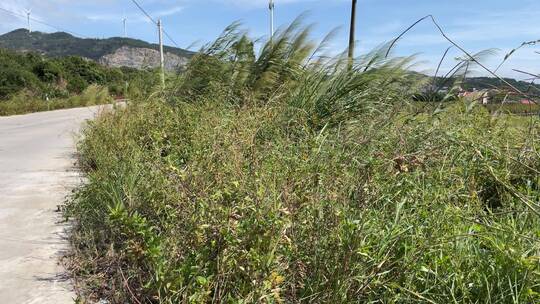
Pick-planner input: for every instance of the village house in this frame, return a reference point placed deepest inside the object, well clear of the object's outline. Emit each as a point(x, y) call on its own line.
point(482, 96)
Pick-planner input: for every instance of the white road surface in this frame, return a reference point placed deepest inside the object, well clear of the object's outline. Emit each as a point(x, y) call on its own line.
point(36, 175)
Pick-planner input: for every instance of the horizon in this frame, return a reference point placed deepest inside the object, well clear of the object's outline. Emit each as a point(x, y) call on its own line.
point(187, 21)
point(172, 46)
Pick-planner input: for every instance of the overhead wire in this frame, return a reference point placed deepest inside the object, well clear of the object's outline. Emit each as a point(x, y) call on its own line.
point(154, 21)
point(170, 38)
point(144, 12)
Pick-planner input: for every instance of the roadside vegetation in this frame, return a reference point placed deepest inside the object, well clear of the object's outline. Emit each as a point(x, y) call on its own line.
point(30, 82)
point(516, 108)
point(24, 102)
point(285, 177)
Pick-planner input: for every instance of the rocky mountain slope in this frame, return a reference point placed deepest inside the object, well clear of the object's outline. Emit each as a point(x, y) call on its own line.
point(114, 51)
point(142, 58)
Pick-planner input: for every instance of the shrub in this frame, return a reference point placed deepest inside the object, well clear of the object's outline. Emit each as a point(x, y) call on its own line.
point(48, 71)
point(13, 79)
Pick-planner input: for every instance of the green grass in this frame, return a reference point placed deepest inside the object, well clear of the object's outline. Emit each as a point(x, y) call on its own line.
point(25, 103)
point(277, 179)
point(515, 108)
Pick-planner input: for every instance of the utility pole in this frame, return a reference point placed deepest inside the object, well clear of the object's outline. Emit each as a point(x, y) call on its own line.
point(271, 6)
point(161, 56)
point(125, 28)
point(352, 34)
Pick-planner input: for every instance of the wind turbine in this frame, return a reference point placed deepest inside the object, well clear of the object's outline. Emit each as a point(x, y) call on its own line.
point(125, 26)
point(28, 12)
point(124, 22)
point(271, 6)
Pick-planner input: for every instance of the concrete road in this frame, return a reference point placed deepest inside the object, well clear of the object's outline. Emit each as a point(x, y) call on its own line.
point(36, 174)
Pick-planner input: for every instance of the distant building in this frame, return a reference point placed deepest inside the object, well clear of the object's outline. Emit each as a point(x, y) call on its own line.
point(483, 96)
point(527, 102)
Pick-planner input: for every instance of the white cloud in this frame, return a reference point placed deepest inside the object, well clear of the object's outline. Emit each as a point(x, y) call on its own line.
point(136, 17)
point(250, 4)
point(168, 12)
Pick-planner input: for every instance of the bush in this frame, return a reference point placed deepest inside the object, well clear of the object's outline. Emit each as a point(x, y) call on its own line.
point(76, 84)
point(13, 79)
point(48, 71)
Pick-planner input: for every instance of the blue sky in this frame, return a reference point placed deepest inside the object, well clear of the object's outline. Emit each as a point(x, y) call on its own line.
point(475, 24)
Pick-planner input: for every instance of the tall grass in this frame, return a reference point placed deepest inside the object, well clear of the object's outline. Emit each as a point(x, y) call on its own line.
point(516, 108)
point(283, 177)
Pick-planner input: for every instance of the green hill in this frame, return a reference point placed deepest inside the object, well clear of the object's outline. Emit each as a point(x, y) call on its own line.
point(481, 83)
point(62, 44)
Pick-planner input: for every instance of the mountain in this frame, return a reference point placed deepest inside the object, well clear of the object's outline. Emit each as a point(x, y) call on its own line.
point(114, 51)
point(475, 83)
point(481, 83)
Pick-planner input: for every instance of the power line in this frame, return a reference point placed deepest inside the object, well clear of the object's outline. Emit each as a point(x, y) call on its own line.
point(170, 38)
point(41, 22)
point(154, 21)
point(144, 12)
